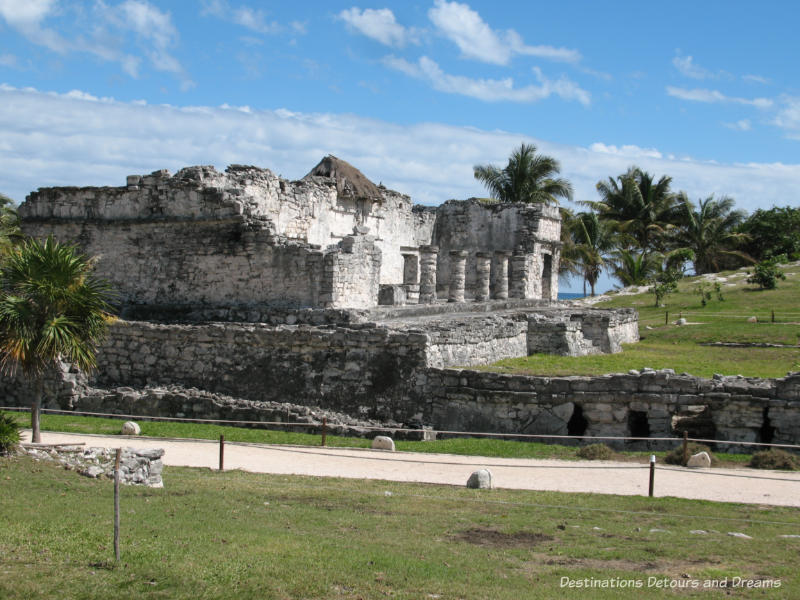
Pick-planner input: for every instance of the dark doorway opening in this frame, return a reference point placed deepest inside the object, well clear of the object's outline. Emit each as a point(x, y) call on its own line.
point(638, 425)
point(577, 423)
point(767, 432)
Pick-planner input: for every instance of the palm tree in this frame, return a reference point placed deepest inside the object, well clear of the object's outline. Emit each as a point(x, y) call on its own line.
point(51, 308)
point(635, 268)
point(593, 240)
point(708, 231)
point(9, 224)
point(527, 178)
point(641, 209)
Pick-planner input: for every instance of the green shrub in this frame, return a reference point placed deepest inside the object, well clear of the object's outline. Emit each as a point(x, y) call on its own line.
point(766, 273)
point(596, 452)
point(775, 459)
point(675, 457)
point(9, 433)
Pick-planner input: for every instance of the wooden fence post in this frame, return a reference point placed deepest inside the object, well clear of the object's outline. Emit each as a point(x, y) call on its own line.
point(652, 473)
point(685, 447)
point(116, 503)
point(221, 452)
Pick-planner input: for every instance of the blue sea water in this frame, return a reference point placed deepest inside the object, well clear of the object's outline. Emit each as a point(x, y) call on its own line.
point(569, 295)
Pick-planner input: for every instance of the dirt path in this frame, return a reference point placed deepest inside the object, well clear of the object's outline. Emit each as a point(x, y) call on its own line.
point(603, 477)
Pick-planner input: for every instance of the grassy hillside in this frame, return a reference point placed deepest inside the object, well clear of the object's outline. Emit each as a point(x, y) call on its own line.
point(242, 535)
point(681, 347)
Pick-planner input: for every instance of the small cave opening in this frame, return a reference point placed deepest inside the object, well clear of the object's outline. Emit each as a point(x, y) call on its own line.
point(638, 425)
point(577, 424)
point(767, 432)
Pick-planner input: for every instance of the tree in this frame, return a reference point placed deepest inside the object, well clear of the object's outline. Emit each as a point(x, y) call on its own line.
point(528, 177)
point(709, 231)
point(593, 240)
point(772, 232)
point(10, 233)
point(51, 307)
point(640, 209)
point(635, 268)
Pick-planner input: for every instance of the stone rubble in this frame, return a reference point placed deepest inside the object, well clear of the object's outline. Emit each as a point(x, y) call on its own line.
point(137, 466)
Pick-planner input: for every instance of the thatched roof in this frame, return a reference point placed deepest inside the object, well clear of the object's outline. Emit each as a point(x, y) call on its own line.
point(350, 182)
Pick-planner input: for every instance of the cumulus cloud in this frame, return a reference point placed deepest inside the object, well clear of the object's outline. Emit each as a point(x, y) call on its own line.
point(50, 139)
point(705, 95)
point(489, 90)
point(473, 36)
point(379, 25)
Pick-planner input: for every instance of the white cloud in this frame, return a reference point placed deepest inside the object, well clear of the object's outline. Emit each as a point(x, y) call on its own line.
point(379, 25)
point(489, 90)
point(101, 34)
point(755, 79)
point(740, 125)
point(8, 60)
point(704, 95)
point(788, 117)
point(251, 18)
point(630, 151)
point(49, 139)
point(473, 36)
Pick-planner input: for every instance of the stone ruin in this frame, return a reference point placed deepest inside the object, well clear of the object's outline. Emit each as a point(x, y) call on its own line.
point(328, 292)
point(248, 238)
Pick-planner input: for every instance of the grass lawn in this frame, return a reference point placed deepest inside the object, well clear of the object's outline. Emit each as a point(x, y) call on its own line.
point(680, 348)
point(241, 535)
point(463, 446)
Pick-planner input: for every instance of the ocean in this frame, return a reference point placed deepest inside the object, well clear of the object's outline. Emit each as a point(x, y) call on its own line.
point(569, 295)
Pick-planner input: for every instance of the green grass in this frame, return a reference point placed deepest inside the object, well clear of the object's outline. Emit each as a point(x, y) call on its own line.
point(492, 447)
point(669, 346)
point(242, 535)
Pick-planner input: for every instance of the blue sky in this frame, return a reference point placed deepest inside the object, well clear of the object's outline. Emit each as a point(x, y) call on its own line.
point(412, 93)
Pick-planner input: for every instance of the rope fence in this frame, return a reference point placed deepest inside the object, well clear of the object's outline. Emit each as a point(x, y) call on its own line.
point(325, 425)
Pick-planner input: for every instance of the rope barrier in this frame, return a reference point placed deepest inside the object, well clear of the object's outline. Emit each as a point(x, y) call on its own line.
point(404, 429)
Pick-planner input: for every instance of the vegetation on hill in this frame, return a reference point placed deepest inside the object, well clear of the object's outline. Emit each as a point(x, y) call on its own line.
point(768, 347)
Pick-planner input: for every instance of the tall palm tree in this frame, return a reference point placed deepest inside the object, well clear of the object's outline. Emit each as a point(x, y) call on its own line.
point(51, 308)
point(640, 208)
point(709, 231)
point(528, 177)
point(593, 241)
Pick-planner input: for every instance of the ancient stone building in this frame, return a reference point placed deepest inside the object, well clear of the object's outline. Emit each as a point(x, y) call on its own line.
point(334, 239)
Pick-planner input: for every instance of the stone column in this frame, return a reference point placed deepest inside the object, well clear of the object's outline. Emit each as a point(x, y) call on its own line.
point(458, 267)
point(519, 276)
point(483, 270)
point(500, 274)
point(427, 274)
point(411, 277)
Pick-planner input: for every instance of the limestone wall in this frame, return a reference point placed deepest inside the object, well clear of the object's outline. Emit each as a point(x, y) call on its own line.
point(359, 369)
point(646, 404)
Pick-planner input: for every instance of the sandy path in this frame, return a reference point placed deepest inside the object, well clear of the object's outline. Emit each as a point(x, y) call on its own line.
point(604, 477)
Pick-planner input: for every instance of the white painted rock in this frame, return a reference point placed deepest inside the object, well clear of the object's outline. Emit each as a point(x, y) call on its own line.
point(383, 442)
point(752, 319)
point(480, 480)
point(680, 321)
point(701, 459)
point(131, 428)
